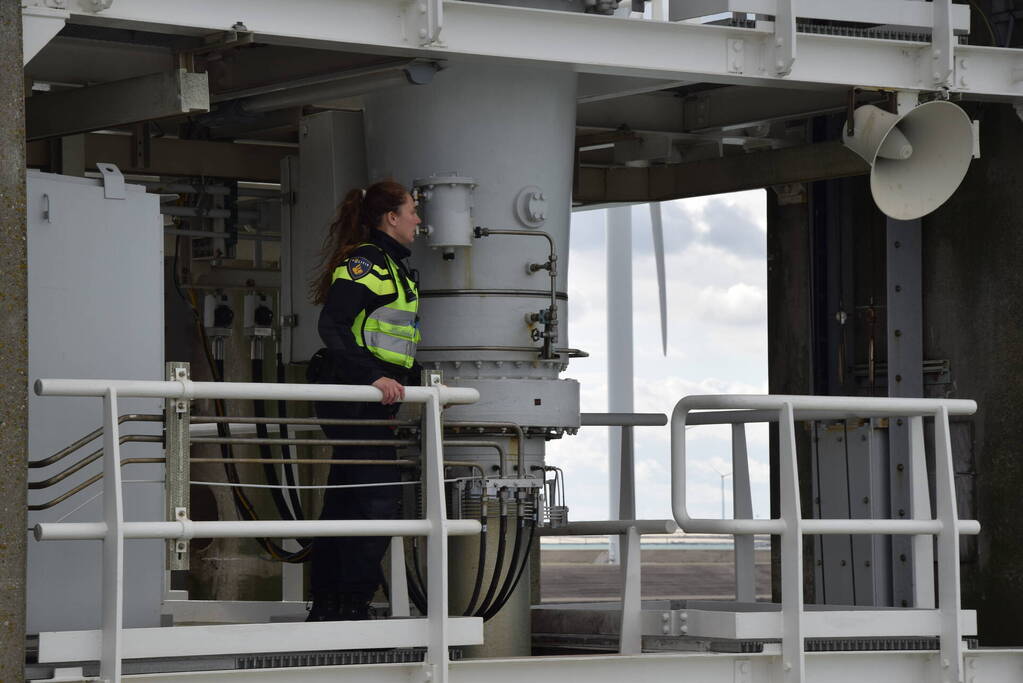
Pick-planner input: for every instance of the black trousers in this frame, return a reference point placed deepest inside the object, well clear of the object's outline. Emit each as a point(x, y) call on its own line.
point(350, 566)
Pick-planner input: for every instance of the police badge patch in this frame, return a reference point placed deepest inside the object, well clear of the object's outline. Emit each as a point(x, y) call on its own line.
point(359, 266)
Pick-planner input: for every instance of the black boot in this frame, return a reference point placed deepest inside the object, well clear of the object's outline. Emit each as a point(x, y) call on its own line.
point(353, 608)
point(326, 607)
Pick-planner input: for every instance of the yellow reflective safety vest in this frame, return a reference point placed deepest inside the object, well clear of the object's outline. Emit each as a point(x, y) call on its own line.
point(391, 332)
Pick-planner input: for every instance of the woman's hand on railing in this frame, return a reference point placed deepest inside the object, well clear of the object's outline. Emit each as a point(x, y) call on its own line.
point(392, 390)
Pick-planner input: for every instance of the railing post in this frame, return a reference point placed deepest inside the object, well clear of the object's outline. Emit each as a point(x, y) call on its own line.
point(742, 505)
point(631, 633)
point(791, 551)
point(113, 544)
point(920, 505)
point(398, 583)
point(626, 489)
point(437, 542)
point(948, 551)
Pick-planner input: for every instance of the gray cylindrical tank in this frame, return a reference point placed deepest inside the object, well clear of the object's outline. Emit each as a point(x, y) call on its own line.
point(510, 129)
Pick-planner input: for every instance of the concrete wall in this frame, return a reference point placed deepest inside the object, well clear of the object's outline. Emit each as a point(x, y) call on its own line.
point(13, 347)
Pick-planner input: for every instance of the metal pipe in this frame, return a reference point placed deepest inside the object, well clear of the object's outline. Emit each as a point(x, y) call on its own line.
point(186, 529)
point(346, 85)
point(623, 419)
point(89, 482)
point(344, 462)
point(612, 527)
point(155, 186)
point(308, 80)
point(231, 419)
point(255, 236)
point(520, 434)
point(528, 293)
point(551, 326)
point(571, 353)
point(95, 434)
point(89, 459)
point(193, 211)
point(188, 389)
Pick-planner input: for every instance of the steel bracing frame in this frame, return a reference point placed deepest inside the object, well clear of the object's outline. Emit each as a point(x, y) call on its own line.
point(774, 55)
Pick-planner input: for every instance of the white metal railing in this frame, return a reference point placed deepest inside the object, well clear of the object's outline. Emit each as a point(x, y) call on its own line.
point(628, 529)
point(739, 409)
point(113, 530)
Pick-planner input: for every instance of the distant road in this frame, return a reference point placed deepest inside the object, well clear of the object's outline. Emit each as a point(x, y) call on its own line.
point(584, 575)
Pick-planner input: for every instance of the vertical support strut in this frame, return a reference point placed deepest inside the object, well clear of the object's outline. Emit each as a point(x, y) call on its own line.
point(742, 506)
point(905, 379)
point(398, 579)
point(619, 348)
point(791, 551)
point(923, 546)
point(631, 633)
point(437, 542)
point(113, 544)
point(785, 37)
point(177, 471)
point(943, 45)
point(948, 552)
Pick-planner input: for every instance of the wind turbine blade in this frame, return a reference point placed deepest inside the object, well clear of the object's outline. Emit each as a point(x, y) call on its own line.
point(662, 292)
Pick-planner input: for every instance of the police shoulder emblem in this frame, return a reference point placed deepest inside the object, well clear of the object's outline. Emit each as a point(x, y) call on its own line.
point(359, 266)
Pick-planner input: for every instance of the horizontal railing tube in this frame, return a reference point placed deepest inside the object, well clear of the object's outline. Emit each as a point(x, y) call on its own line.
point(63, 531)
point(821, 407)
point(246, 441)
point(608, 527)
point(314, 421)
point(901, 527)
point(622, 419)
point(188, 389)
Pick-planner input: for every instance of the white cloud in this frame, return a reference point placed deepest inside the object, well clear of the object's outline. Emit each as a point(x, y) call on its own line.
point(717, 343)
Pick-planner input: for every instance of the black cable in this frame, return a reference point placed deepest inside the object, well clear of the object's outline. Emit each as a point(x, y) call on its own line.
point(417, 587)
point(525, 562)
point(415, 565)
point(289, 473)
point(259, 409)
point(241, 501)
point(509, 577)
point(482, 562)
point(495, 577)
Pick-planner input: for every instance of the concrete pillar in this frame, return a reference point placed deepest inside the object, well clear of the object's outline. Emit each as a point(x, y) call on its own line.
point(789, 324)
point(13, 347)
point(973, 302)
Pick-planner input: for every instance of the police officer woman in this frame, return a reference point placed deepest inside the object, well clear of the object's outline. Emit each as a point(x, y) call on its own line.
point(369, 325)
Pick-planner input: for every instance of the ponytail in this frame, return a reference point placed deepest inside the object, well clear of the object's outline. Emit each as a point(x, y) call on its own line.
point(361, 211)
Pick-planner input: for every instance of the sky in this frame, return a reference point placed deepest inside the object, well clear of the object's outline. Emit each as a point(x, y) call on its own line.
point(716, 266)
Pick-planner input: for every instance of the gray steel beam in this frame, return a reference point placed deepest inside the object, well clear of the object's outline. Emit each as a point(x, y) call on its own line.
point(805, 163)
point(174, 157)
point(117, 103)
point(647, 49)
point(13, 348)
point(905, 378)
point(598, 87)
point(730, 107)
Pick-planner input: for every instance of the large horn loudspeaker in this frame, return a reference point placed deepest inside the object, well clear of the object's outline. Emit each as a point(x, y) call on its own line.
point(917, 159)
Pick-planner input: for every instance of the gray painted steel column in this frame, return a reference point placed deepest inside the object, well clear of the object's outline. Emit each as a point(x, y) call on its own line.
point(619, 350)
point(905, 379)
point(13, 348)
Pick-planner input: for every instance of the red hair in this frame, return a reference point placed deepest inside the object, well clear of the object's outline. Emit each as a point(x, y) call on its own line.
point(360, 212)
